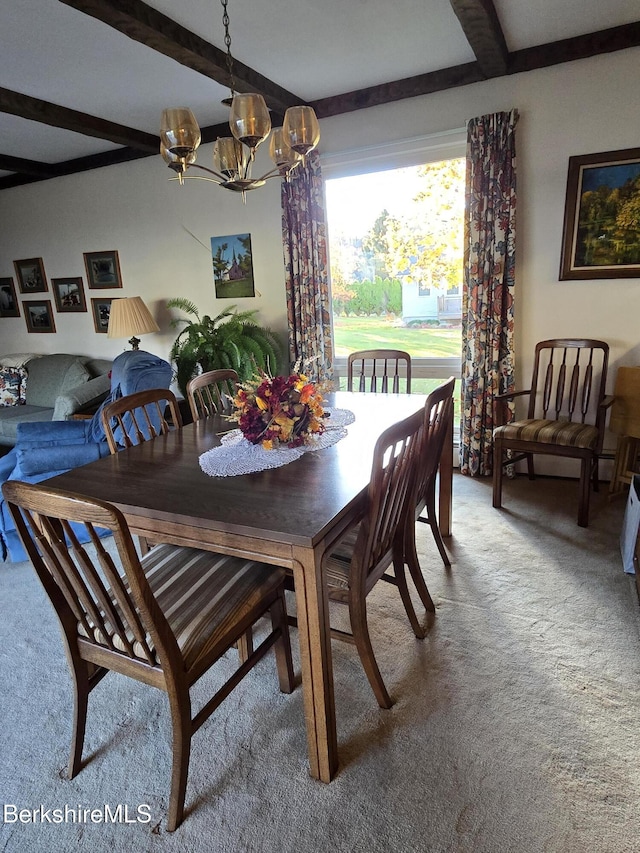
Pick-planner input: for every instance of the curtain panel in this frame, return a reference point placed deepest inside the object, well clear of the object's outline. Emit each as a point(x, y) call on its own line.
point(304, 238)
point(489, 282)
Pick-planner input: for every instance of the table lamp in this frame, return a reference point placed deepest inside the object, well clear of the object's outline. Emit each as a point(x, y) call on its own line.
point(130, 316)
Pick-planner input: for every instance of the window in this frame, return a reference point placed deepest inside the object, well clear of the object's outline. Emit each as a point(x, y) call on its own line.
point(395, 217)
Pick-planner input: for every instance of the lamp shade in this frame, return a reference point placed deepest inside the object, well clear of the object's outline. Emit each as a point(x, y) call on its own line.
point(130, 317)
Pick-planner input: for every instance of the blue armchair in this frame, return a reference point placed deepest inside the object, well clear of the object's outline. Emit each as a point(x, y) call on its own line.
point(43, 450)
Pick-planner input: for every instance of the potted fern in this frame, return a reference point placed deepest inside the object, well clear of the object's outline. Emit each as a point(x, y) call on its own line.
point(232, 339)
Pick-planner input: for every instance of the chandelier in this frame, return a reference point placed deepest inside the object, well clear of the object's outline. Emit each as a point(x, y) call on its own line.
point(250, 125)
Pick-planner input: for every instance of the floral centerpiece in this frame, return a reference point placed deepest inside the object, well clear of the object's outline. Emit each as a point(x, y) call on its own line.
point(279, 411)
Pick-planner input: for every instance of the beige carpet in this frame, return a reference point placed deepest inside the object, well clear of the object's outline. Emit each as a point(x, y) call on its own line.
point(515, 728)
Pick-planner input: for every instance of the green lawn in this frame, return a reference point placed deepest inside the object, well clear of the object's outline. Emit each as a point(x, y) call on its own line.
point(355, 333)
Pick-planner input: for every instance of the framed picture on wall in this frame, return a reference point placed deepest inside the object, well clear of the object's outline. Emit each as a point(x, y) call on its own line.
point(8, 302)
point(69, 295)
point(601, 237)
point(101, 310)
point(39, 316)
point(232, 266)
point(30, 274)
point(103, 270)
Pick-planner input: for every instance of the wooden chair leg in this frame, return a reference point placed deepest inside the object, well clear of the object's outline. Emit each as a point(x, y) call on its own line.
point(583, 500)
point(411, 559)
point(358, 614)
point(403, 589)
point(80, 675)
point(181, 746)
point(530, 468)
point(284, 661)
point(497, 473)
point(432, 520)
point(245, 645)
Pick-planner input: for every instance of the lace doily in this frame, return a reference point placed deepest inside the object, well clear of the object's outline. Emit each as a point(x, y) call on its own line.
point(237, 456)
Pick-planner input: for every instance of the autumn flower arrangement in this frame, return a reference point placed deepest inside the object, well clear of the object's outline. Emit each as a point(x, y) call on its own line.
point(277, 411)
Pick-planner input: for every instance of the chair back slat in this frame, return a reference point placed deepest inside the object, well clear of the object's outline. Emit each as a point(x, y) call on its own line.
point(575, 372)
point(383, 369)
point(389, 496)
point(139, 417)
point(211, 393)
point(95, 601)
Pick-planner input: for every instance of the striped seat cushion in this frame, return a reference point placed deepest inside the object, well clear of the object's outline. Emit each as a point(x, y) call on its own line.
point(201, 595)
point(564, 433)
point(337, 566)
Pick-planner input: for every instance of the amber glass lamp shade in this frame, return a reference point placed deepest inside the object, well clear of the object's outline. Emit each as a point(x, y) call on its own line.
point(301, 129)
point(179, 131)
point(227, 156)
point(178, 164)
point(281, 152)
point(249, 121)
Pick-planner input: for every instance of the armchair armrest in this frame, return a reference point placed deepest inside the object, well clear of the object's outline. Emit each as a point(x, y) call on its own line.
point(84, 396)
point(499, 405)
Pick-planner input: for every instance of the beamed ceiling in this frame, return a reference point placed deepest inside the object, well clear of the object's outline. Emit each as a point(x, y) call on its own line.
point(84, 81)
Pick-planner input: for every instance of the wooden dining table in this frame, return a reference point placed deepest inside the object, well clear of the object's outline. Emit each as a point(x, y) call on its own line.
point(288, 516)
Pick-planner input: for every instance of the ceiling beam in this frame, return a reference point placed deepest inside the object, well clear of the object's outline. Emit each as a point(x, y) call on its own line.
point(27, 167)
point(29, 171)
point(479, 21)
point(149, 27)
point(34, 109)
point(409, 87)
point(578, 47)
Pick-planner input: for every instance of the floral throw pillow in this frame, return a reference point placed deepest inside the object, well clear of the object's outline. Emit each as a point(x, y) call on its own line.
point(13, 386)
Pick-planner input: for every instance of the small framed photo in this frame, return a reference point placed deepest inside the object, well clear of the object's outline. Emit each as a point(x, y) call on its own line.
point(601, 237)
point(39, 316)
point(31, 277)
point(101, 310)
point(69, 295)
point(103, 270)
point(8, 301)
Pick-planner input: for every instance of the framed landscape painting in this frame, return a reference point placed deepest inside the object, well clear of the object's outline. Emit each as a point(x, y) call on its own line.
point(39, 316)
point(101, 310)
point(232, 266)
point(103, 269)
point(8, 301)
point(30, 274)
point(69, 295)
point(601, 237)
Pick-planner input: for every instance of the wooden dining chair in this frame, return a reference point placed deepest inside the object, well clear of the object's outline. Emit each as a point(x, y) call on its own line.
point(438, 421)
point(164, 619)
point(138, 417)
point(363, 556)
point(384, 370)
point(211, 393)
point(566, 414)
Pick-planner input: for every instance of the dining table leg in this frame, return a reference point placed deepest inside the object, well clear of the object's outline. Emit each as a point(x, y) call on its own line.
point(312, 610)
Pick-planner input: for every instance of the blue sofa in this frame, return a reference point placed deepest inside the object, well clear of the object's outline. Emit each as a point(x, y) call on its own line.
point(43, 450)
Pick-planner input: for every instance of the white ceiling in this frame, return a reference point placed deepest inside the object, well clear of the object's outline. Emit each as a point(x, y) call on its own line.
point(313, 48)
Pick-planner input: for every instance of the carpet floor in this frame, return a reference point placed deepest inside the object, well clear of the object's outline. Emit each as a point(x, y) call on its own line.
point(515, 727)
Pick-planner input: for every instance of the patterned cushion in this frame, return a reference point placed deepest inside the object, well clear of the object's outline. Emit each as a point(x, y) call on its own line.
point(178, 576)
point(564, 433)
point(13, 384)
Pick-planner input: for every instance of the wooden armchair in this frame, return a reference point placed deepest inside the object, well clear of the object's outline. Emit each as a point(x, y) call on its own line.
point(138, 417)
point(566, 414)
point(163, 620)
point(363, 555)
point(385, 370)
point(209, 393)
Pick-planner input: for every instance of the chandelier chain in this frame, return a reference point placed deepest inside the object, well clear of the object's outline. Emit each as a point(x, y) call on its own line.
point(227, 41)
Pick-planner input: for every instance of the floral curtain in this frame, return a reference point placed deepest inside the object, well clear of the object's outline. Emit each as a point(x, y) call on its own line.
point(304, 237)
point(489, 282)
